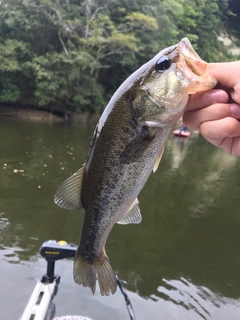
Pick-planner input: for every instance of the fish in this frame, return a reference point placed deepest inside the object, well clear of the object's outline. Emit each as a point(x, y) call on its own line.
point(127, 145)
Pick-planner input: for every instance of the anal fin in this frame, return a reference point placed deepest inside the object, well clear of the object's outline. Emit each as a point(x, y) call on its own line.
point(133, 215)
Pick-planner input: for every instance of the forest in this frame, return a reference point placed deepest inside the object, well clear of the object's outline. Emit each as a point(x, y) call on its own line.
point(71, 55)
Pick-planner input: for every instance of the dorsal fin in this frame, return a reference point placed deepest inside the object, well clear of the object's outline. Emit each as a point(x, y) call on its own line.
point(133, 215)
point(68, 195)
point(158, 160)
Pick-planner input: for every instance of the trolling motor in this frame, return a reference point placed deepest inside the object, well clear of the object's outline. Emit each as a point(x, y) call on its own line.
point(52, 251)
point(40, 305)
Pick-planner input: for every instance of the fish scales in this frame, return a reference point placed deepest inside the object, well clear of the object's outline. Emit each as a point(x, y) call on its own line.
point(114, 176)
point(127, 145)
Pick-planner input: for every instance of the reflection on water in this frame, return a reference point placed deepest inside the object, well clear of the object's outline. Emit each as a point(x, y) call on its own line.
point(181, 262)
point(197, 298)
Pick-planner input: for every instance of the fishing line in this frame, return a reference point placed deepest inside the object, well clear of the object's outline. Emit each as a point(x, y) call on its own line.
point(127, 300)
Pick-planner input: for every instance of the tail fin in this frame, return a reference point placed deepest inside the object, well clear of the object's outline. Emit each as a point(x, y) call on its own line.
point(86, 274)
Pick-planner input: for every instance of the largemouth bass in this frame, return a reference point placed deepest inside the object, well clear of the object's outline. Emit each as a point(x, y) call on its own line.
point(127, 146)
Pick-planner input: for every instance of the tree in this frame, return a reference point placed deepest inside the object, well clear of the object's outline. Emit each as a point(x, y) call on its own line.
point(61, 54)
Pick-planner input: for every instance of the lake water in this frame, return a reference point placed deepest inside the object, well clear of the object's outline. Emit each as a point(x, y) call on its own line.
point(182, 262)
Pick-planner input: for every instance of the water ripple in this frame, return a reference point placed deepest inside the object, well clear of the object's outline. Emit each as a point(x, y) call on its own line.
point(199, 299)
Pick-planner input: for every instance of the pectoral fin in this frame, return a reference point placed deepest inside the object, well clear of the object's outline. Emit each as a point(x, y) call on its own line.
point(158, 160)
point(154, 124)
point(137, 146)
point(68, 195)
point(133, 215)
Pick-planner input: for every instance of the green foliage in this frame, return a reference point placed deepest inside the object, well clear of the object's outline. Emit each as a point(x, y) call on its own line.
point(233, 18)
point(72, 55)
point(9, 91)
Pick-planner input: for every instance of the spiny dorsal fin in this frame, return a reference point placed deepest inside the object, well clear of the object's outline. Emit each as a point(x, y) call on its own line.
point(158, 160)
point(68, 195)
point(133, 215)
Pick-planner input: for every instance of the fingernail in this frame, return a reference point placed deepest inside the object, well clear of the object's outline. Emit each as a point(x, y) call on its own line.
point(218, 96)
point(235, 109)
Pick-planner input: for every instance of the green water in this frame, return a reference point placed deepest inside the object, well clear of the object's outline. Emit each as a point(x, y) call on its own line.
point(182, 262)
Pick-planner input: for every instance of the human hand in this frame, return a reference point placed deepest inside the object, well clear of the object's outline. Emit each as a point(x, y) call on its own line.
point(215, 113)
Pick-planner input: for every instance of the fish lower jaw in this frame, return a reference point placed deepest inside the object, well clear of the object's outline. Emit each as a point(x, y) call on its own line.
point(201, 85)
point(173, 118)
point(197, 80)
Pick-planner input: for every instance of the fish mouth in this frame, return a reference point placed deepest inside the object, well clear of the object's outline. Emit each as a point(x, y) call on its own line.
point(189, 59)
point(194, 68)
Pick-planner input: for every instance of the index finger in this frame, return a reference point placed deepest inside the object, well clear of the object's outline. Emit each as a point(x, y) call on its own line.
point(204, 99)
point(227, 73)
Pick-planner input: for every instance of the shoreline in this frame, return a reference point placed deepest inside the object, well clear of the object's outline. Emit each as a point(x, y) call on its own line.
point(45, 116)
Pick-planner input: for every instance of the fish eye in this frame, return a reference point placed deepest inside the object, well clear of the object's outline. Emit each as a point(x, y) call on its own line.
point(163, 63)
